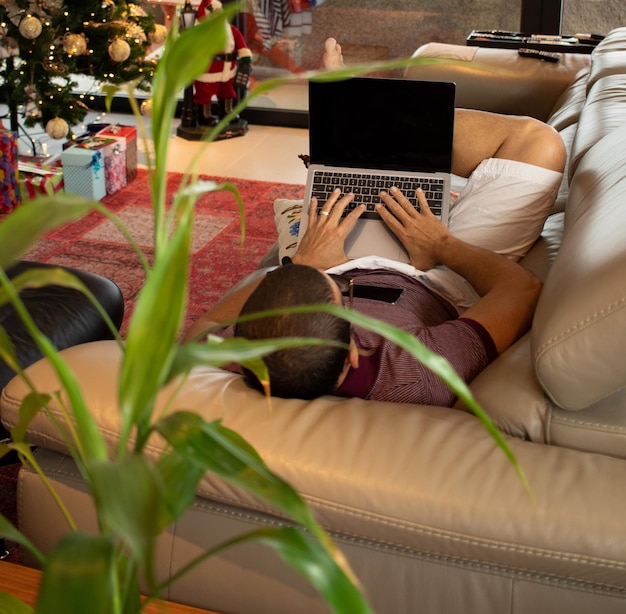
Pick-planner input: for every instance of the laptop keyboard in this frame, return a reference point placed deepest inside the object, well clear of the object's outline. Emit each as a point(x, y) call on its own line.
point(366, 189)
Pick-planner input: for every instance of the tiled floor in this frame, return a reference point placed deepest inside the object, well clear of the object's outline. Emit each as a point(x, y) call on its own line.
point(265, 153)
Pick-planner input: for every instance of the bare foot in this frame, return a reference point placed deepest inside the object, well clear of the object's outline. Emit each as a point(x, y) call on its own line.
point(332, 55)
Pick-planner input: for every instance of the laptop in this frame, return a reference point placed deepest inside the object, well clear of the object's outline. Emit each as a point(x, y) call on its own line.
point(369, 134)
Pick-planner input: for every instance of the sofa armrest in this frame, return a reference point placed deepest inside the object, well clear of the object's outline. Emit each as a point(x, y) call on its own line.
point(64, 315)
point(498, 80)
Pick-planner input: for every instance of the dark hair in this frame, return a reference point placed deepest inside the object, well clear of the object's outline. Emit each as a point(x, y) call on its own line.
point(304, 372)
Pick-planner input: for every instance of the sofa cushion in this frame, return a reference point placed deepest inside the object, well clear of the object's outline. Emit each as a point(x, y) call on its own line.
point(579, 330)
point(287, 215)
point(599, 428)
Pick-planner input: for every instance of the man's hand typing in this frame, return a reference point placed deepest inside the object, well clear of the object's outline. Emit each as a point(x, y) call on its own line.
point(421, 233)
point(322, 246)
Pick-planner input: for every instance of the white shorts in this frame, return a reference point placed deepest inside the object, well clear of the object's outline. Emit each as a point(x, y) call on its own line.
point(502, 207)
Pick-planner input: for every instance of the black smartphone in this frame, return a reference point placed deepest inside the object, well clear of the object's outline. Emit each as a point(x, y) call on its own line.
point(378, 293)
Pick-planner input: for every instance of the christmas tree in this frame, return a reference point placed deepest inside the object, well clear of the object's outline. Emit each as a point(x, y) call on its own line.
point(44, 44)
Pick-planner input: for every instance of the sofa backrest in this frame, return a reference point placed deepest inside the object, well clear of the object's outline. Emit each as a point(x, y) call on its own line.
point(579, 330)
point(605, 100)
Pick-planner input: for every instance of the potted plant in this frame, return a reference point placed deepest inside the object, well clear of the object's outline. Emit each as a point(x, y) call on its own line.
point(102, 572)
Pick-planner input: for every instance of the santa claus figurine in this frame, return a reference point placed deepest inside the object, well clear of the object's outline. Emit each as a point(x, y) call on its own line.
point(228, 74)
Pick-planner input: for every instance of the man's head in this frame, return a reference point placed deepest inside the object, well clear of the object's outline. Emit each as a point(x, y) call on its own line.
point(302, 372)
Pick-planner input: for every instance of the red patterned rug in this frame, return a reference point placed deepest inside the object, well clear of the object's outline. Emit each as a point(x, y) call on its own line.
point(94, 244)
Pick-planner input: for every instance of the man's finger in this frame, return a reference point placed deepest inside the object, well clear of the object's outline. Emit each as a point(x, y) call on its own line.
point(421, 199)
point(339, 207)
point(403, 201)
point(394, 206)
point(313, 211)
point(389, 218)
point(347, 224)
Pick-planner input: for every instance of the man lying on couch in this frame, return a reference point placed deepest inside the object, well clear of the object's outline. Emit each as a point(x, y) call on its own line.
point(472, 302)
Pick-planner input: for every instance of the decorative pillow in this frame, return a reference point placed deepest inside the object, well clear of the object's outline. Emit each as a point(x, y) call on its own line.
point(287, 215)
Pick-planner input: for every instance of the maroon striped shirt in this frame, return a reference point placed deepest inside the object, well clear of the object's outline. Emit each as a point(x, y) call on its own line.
point(388, 373)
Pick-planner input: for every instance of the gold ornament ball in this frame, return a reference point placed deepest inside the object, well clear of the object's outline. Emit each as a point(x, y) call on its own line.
point(57, 128)
point(159, 35)
point(146, 107)
point(30, 27)
point(119, 50)
point(75, 44)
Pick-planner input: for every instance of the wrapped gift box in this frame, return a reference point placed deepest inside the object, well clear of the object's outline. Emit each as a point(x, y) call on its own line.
point(77, 140)
point(48, 160)
point(10, 195)
point(39, 179)
point(127, 137)
point(83, 170)
point(114, 160)
point(114, 169)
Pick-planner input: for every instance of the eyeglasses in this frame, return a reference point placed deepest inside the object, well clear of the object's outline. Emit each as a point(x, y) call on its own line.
point(346, 287)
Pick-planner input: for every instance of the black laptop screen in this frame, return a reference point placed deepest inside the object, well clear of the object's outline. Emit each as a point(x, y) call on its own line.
point(390, 124)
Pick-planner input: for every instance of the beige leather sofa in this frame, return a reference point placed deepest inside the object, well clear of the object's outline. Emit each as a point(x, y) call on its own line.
point(428, 511)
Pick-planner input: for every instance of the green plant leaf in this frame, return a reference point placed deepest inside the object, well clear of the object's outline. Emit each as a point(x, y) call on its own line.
point(331, 577)
point(21, 230)
point(222, 451)
point(8, 531)
point(153, 331)
point(10, 604)
point(78, 577)
point(7, 350)
point(217, 351)
point(308, 558)
point(129, 494)
point(198, 188)
point(185, 57)
point(26, 455)
point(30, 406)
point(180, 478)
point(215, 448)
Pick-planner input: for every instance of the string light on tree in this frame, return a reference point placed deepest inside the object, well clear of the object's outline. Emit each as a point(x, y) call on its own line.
point(146, 107)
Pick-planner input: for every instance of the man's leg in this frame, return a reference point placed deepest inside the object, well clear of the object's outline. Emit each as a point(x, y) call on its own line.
point(479, 135)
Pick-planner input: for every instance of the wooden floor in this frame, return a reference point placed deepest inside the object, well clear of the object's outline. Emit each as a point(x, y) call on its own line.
point(23, 582)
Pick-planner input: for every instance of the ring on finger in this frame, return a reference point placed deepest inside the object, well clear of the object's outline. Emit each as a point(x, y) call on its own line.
point(324, 213)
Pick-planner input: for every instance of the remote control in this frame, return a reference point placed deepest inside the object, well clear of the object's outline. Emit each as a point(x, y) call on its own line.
point(546, 56)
